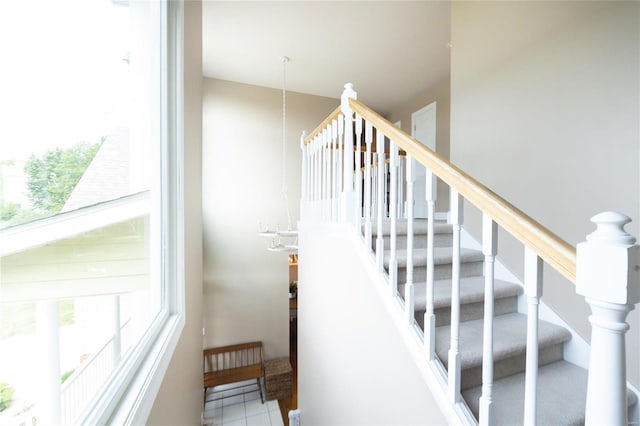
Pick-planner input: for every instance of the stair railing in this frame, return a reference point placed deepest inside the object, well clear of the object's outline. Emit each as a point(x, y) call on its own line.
point(335, 189)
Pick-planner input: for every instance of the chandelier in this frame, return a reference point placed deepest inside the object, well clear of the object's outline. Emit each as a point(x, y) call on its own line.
point(282, 240)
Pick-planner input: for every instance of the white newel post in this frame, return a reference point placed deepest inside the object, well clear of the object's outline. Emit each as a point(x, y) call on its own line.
point(348, 202)
point(608, 275)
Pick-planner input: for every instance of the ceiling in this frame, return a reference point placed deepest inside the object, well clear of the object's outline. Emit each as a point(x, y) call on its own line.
point(389, 50)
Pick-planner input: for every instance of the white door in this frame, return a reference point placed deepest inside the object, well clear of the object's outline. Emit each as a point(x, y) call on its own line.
point(423, 128)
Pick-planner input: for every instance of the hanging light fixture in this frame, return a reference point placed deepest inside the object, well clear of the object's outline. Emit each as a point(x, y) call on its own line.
point(283, 240)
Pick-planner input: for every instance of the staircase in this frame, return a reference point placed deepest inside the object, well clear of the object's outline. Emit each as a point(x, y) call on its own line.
point(561, 385)
point(491, 359)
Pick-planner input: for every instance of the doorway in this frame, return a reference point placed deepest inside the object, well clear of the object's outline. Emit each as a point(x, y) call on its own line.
point(423, 128)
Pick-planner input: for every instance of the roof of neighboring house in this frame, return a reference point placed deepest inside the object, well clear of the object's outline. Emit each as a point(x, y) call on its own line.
point(107, 176)
point(101, 198)
point(68, 224)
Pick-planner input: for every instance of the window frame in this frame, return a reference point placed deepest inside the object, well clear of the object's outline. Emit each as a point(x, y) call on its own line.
point(129, 396)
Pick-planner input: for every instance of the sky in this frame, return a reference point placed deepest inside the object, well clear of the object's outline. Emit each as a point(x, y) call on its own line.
point(63, 79)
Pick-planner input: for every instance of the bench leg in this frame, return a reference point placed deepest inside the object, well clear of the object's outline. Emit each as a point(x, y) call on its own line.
point(260, 389)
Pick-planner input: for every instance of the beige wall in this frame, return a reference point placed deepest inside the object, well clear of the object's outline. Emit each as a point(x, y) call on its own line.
point(440, 93)
point(246, 286)
point(179, 401)
point(354, 368)
point(544, 110)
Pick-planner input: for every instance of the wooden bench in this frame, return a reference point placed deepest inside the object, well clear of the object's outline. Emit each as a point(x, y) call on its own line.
point(233, 363)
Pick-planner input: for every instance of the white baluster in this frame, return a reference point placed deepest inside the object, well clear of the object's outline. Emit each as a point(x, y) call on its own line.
point(374, 188)
point(367, 185)
point(393, 217)
point(608, 275)
point(316, 190)
point(358, 153)
point(429, 315)
point(321, 142)
point(335, 170)
point(348, 195)
point(340, 163)
point(454, 350)
point(309, 154)
point(380, 202)
point(326, 171)
point(401, 192)
point(489, 249)
point(305, 178)
point(408, 287)
point(326, 177)
point(319, 160)
point(387, 185)
point(329, 160)
point(533, 290)
point(310, 182)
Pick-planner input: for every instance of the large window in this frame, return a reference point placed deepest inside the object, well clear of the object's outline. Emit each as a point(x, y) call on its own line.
point(89, 164)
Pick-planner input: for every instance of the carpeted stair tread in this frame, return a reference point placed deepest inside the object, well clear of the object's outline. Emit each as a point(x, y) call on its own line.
point(561, 396)
point(441, 256)
point(562, 386)
point(471, 291)
point(509, 339)
point(561, 390)
point(420, 227)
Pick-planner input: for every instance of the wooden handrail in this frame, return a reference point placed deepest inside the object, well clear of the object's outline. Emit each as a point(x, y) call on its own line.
point(322, 125)
point(552, 249)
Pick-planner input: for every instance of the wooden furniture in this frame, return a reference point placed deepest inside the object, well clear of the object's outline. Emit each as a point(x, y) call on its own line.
point(278, 378)
point(233, 363)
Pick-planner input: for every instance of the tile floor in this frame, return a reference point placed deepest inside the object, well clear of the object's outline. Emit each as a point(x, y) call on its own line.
point(241, 407)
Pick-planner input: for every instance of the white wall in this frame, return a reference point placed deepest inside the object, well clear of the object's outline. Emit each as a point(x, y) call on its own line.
point(179, 401)
point(353, 366)
point(245, 286)
point(544, 110)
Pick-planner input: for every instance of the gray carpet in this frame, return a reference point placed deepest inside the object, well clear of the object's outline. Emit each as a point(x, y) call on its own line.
point(471, 263)
point(561, 396)
point(509, 346)
point(561, 385)
point(471, 298)
point(441, 235)
point(562, 393)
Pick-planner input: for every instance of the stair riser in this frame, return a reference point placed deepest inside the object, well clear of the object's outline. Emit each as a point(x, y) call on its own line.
point(441, 272)
point(470, 311)
point(419, 241)
point(472, 377)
